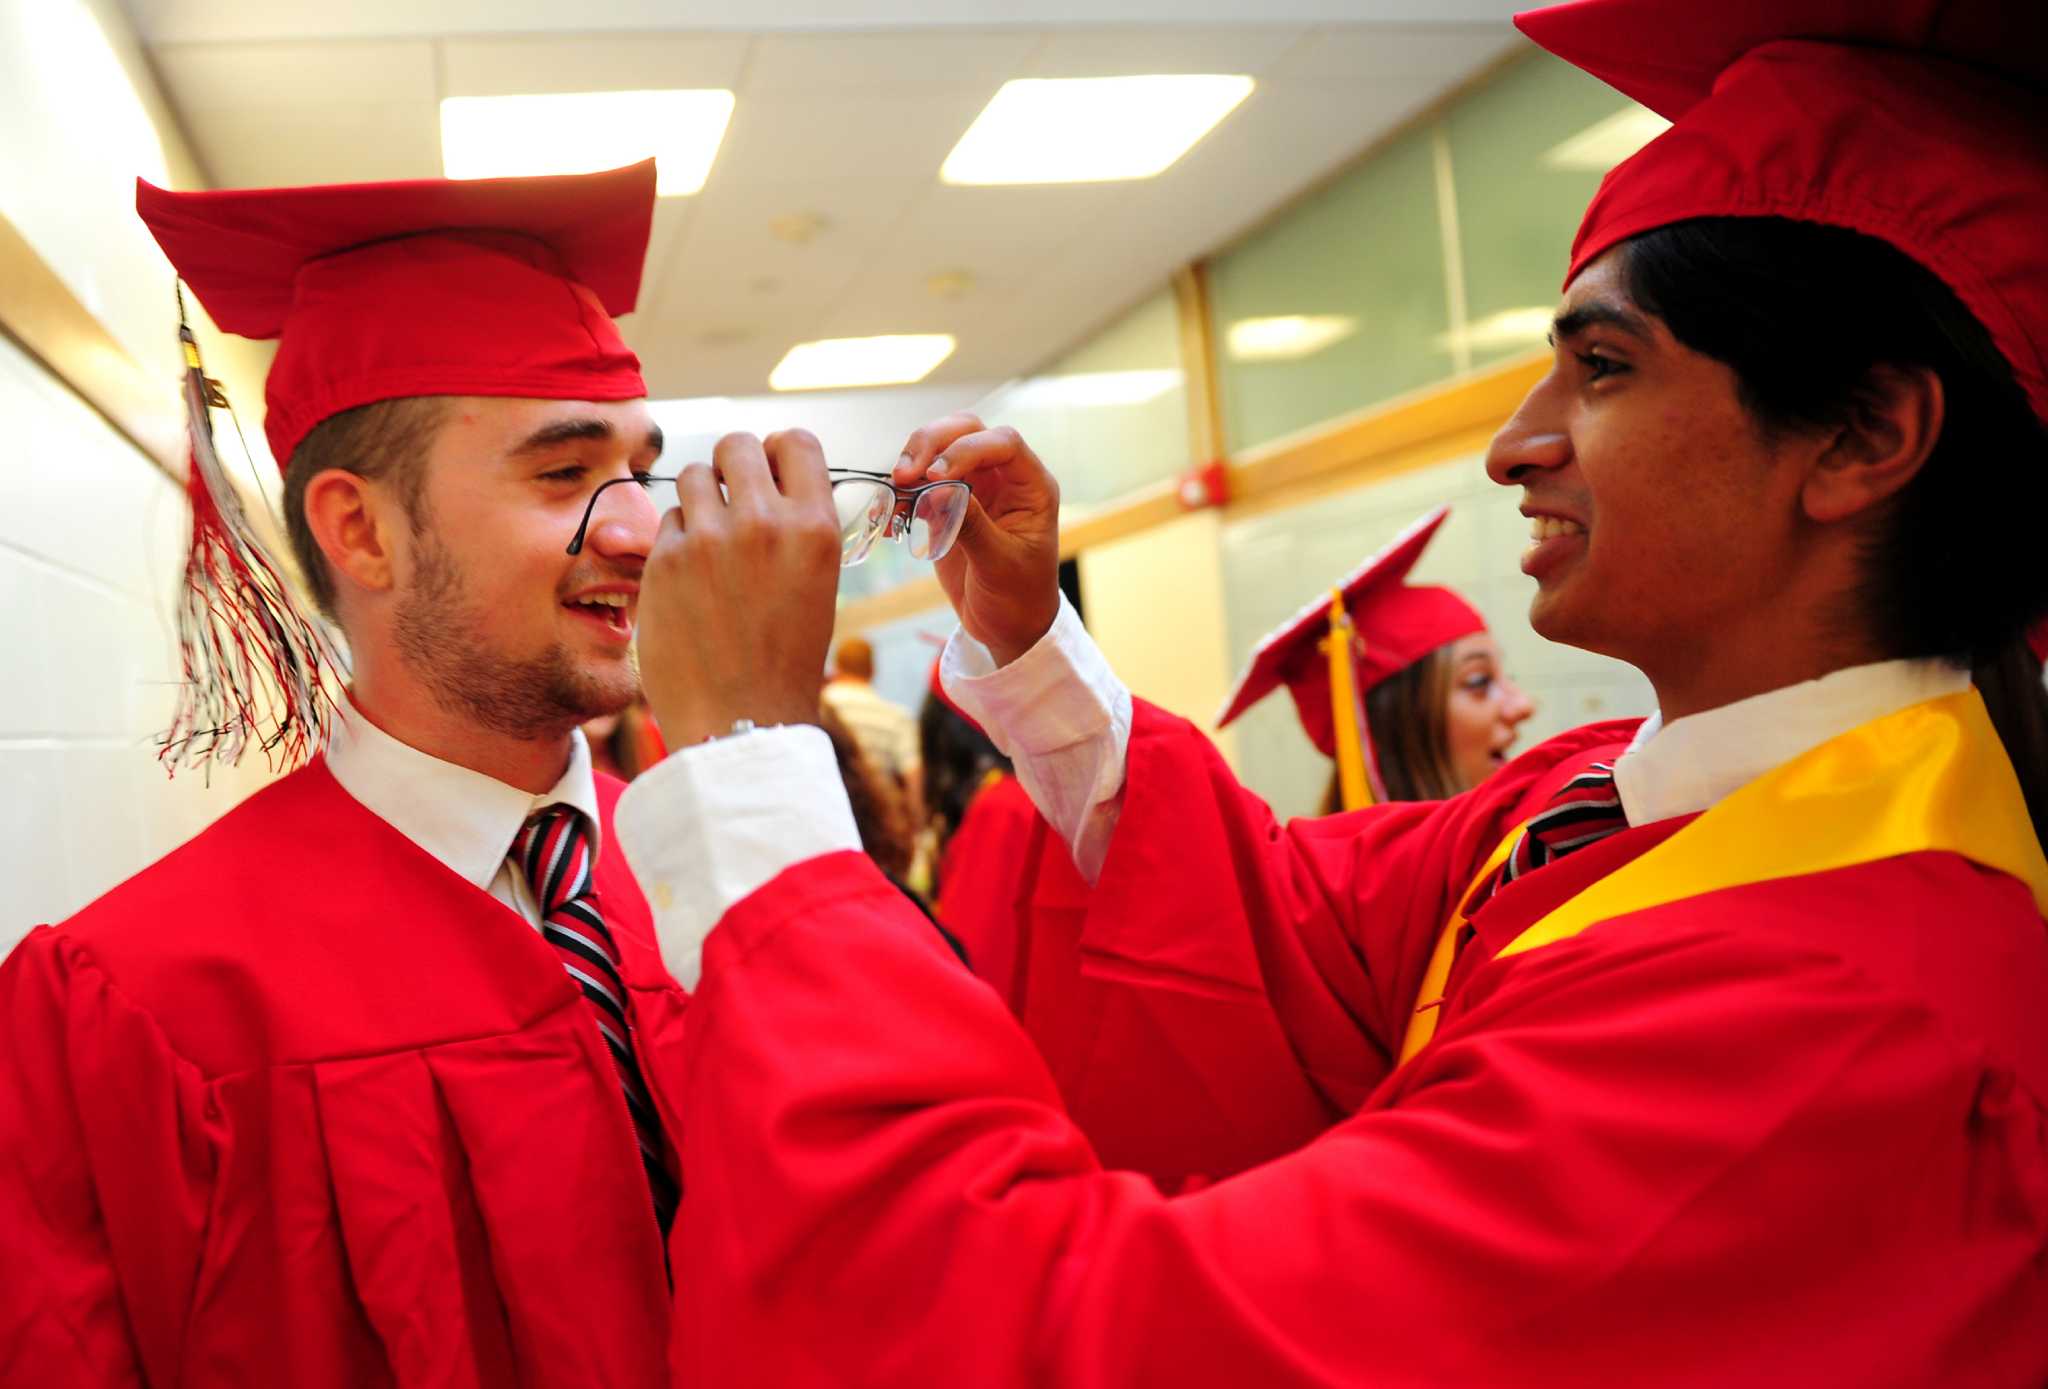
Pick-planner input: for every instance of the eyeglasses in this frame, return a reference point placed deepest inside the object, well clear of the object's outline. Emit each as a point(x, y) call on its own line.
point(926, 519)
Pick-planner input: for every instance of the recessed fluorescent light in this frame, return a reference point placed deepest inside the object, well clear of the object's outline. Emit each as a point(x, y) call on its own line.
point(1285, 336)
point(1508, 328)
point(1093, 388)
point(704, 414)
point(892, 360)
point(582, 132)
point(1090, 129)
point(1604, 144)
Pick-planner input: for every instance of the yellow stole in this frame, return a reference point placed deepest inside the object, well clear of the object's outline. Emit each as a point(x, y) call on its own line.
point(1932, 776)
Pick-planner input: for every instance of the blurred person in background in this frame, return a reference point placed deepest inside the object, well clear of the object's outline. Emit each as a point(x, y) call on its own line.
point(1437, 713)
point(887, 833)
point(1701, 1050)
point(886, 830)
point(627, 743)
point(958, 761)
point(885, 730)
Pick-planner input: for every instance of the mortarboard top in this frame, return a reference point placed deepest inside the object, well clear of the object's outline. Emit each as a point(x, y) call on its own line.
point(1923, 123)
point(502, 287)
point(1396, 623)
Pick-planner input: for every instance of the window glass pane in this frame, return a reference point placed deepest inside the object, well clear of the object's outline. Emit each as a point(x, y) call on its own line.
point(1112, 415)
point(1337, 305)
point(1273, 563)
point(1528, 151)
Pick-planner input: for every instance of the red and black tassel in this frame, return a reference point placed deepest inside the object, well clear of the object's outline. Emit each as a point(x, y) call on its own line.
point(256, 667)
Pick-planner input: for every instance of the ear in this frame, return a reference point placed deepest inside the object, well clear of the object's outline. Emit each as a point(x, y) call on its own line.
point(1893, 426)
point(351, 523)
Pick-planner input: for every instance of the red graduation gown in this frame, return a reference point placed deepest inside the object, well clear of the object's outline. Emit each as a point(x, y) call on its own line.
point(299, 1106)
point(1003, 869)
point(1789, 1133)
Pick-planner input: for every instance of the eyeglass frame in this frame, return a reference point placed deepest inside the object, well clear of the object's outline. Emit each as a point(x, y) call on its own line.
point(906, 498)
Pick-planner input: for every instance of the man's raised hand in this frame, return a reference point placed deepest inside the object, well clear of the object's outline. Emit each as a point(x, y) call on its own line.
point(736, 600)
point(1002, 574)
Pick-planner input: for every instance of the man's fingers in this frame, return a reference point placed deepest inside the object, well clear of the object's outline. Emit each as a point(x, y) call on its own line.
point(743, 467)
point(929, 442)
point(987, 450)
point(697, 497)
point(797, 460)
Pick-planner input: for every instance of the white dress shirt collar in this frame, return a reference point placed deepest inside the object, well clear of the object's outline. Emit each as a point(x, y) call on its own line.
point(463, 818)
point(1689, 764)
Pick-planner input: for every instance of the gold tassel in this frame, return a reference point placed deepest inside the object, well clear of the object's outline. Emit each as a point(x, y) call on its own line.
point(1347, 709)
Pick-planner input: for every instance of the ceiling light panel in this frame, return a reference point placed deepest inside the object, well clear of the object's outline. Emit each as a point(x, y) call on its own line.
point(1090, 129)
point(583, 132)
point(895, 359)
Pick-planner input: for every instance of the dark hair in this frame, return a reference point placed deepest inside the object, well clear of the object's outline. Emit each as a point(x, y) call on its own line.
point(632, 746)
point(957, 759)
point(1802, 314)
point(384, 441)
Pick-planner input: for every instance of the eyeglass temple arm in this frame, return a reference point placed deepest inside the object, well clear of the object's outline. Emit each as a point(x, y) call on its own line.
point(590, 507)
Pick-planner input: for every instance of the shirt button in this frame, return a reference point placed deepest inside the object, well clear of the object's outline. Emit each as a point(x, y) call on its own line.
point(664, 897)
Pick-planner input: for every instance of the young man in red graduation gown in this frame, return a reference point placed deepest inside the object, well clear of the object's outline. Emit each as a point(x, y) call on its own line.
point(1704, 1052)
point(361, 1086)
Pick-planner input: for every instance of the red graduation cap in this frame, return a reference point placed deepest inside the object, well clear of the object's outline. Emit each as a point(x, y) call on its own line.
point(1396, 624)
point(1923, 123)
point(497, 287)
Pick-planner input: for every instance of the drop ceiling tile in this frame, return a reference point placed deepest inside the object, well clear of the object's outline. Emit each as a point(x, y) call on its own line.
point(626, 62)
point(258, 148)
point(1164, 48)
point(855, 211)
point(671, 217)
point(1442, 54)
point(730, 264)
point(267, 76)
point(866, 134)
point(901, 62)
point(983, 230)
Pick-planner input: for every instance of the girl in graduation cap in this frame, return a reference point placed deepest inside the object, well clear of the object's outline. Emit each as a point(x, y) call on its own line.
point(1432, 711)
point(1707, 1050)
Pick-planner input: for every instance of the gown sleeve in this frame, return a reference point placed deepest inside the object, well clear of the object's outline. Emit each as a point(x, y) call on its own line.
point(1229, 987)
point(106, 1161)
point(1640, 1146)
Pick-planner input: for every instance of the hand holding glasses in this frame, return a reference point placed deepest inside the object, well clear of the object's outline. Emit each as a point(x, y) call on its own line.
point(925, 518)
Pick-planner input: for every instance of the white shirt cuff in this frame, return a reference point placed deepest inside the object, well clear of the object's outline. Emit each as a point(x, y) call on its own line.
point(712, 823)
point(1059, 712)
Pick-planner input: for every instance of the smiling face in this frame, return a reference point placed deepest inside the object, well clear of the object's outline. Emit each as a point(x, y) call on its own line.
point(1482, 709)
point(1663, 518)
point(491, 616)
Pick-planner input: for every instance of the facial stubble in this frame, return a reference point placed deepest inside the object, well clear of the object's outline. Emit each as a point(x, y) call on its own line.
point(437, 629)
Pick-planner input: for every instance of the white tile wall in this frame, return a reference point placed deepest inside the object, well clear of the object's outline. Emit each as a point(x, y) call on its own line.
point(91, 539)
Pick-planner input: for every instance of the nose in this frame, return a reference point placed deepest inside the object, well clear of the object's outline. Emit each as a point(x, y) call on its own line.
point(1533, 437)
point(623, 523)
point(1515, 705)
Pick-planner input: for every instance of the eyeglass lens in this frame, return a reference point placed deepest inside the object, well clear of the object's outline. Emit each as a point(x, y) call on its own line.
point(927, 519)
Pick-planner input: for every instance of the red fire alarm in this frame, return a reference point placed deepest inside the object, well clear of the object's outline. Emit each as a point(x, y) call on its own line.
point(1208, 485)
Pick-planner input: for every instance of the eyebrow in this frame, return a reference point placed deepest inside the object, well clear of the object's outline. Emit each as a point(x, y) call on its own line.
point(1577, 320)
point(577, 431)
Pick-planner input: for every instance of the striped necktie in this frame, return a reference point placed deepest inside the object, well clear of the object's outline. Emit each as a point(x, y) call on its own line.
point(553, 850)
point(1584, 811)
